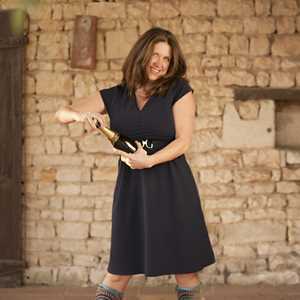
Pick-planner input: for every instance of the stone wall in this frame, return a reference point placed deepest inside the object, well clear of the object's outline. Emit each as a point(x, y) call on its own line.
point(250, 190)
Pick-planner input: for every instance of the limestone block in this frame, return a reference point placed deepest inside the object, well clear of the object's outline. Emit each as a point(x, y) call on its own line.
point(257, 201)
point(43, 230)
point(78, 202)
point(198, 8)
point(216, 190)
point(73, 230)
point(224, 203)
point(97, 246)
point(73, 174)
point(32, 131)
point(49, 259)
point(72, 276)
point(108, 10)
point(103, 214)
point(33, 244)
point(39, 275)
point(285, 25)
point(282, 79)
point(57, 11)
point(85, 260)
point(94, 143)
point(209, 122)
point(53, 145)
point(242, 78)
point(162, 9)
point(262, 214)
point(239, 251)
point(287, 187)
point(284, 8)
point(46, 188)
point(293, 200)
point(228, 216)
point(68, 189)
point(53, 46)
point(50, 104)
point(221, 25)
point(270, 249)
point(214, 176)
point(259, 45)
point(118, 43)
point(68, 145)
point(100, 53)
point(217, 44)
point(256, 265)
point(243, 62)
point(56, 84)
point(262, 79)
point(290, 63)
point(76, 129)
point(239, 45)
point(73, 246)
point(274, 278)
point(263, 157)
point(249, 232)
point(34, 145)
point(277, 201)
point(174, 25)
point(39, 12)
point(195, 25)
point(71, 10)
point(248, 189)
point(235, 8)
point(204, 141)
point(294, 235)
point(108, 173)
point(259, 25)
point(50, 26)
point(286, 45)
point(101, 229)
point(104, 188)
point(55, 129)
point(293, 157)
point(138, 9)
point(250, 133)
point(249, 175)
point(248, 110)
point(57, 160)
point(51, 215)
point(56, 202)
point(78, 215)
point(262, 7)
point(291, 174)
point(210, 107)
point(192, 43)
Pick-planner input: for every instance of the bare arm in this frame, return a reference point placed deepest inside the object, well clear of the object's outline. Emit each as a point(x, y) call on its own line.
point(92, 103)
point(184, 117)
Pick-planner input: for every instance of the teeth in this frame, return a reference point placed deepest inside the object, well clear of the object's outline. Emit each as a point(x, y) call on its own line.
point(154, 70)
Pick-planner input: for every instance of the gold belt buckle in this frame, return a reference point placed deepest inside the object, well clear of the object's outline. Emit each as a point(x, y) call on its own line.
point(145, 144)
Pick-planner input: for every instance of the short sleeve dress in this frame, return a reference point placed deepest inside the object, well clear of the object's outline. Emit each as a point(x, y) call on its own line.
point(158, 227)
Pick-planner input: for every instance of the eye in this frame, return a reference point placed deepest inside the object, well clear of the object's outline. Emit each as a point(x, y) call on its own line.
point(167, 59)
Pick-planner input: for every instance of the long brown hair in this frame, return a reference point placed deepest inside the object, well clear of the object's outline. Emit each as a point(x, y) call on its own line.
point(134, 67)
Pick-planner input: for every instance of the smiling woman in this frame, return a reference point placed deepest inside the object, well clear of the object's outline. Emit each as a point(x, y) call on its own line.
point(158, 227)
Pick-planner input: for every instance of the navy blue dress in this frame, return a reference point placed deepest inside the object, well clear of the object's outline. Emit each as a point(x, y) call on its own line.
point(158, 227)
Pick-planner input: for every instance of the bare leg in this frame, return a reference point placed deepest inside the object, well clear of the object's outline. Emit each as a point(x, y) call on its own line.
point(188, 286)
point(118, 282)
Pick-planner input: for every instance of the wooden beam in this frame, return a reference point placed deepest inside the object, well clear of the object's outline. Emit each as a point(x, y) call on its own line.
point(249, 93)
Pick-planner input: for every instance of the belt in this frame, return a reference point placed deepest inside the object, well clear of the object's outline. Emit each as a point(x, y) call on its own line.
point(152, 146)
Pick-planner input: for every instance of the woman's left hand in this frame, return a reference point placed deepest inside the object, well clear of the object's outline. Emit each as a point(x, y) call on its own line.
point(137, 160)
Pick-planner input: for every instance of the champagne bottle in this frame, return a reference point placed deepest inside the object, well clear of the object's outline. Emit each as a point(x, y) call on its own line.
point(118, 141)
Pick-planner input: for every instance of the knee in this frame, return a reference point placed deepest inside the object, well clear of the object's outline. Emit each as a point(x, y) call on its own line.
point(186, 276)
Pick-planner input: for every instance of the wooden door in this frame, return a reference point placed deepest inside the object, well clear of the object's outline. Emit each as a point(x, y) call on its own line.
point(11, 88)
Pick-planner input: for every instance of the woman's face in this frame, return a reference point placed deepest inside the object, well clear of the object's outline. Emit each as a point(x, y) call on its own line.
point(159, 61)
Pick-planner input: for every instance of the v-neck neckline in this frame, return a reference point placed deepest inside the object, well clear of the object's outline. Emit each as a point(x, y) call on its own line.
point(144, 106)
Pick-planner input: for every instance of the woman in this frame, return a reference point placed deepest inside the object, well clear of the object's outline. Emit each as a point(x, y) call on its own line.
point(157, 222)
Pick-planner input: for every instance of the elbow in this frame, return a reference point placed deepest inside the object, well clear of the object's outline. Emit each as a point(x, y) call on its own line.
point(185, 145)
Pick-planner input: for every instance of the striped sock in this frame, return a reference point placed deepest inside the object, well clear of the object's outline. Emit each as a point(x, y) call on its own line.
point(105, 292)
point(191, 293)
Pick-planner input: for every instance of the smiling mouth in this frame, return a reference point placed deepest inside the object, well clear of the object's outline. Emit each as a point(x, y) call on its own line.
point(154, 71)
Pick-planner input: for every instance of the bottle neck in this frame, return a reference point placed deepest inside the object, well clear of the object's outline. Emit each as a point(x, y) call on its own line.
point(110, 134)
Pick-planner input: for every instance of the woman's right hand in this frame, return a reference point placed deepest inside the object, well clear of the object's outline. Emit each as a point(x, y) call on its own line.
point(65, 116)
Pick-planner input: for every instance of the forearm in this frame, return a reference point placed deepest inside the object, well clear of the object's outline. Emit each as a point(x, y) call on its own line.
point(171, 151)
